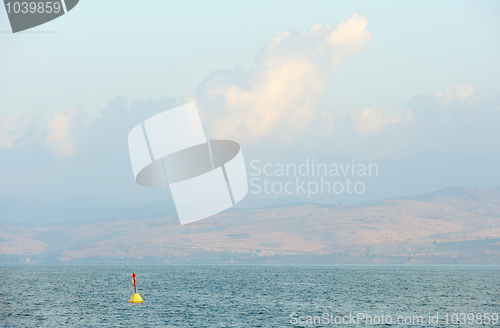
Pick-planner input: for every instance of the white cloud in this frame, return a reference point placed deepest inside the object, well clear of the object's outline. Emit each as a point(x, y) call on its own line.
point(457, 94)
point(280, 95)
point(349, 38)
point(372, 120)
point(464, 91)
point(59, 137)
point(13, 130)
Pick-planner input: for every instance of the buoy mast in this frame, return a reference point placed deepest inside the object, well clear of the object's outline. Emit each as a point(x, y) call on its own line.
point(136, 298)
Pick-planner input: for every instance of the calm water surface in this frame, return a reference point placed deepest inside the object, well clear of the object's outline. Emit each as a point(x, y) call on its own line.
point(242, 296)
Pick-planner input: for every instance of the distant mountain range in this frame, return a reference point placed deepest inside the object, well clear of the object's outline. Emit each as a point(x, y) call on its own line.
point(453, 225)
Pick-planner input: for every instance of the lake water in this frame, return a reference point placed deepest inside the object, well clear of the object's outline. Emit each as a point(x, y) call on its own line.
point(249, 296)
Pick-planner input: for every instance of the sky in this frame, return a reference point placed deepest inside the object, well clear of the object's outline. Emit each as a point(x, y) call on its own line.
point(288, 80)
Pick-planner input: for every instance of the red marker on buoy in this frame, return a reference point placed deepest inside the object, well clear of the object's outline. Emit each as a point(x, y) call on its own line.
point(133, 279)
point(136, 298)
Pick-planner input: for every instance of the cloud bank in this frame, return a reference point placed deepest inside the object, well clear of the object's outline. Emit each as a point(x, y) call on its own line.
point(275, 109)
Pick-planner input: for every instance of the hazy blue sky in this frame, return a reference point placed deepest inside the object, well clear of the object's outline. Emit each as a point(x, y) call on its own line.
point(360, 79)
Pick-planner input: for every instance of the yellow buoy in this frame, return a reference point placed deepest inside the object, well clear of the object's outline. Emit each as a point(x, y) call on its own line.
point(136, 298)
